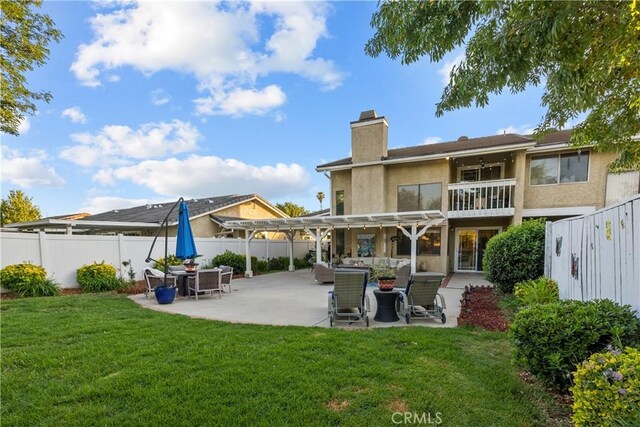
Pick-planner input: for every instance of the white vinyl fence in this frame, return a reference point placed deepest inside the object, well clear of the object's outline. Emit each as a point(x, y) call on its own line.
point(597, 256)
point(61, 254)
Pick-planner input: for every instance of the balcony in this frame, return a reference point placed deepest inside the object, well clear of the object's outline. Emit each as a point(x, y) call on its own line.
point(482, 199)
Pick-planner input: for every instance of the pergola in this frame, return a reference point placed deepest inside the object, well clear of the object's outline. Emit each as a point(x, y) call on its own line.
point(412, 224)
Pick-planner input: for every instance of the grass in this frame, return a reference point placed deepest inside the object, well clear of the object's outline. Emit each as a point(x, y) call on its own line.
point(103, 360)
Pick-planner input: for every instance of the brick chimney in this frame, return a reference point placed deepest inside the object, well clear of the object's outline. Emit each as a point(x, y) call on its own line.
point(369, 137)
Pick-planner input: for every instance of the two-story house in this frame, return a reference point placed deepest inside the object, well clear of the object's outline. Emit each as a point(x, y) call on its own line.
point(481, 185)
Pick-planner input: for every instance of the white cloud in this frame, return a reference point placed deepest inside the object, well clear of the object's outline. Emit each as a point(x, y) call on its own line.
point(158, 97)
point(280, 117)
point(447, 67)
point(118, 144)
point(75, 114)
point(431, 140)
point(520, 130)
point(196, 176)
point(24, 126)
point(239, 102)
point(231, 44)
point(101, 204)
point(113, 78)
point(27, 170)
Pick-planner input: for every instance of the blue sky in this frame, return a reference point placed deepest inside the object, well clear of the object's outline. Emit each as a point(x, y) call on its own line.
point(158, 100)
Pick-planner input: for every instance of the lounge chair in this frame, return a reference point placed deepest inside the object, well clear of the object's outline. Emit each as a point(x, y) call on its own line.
point(209, 280)
point(323, 274)
point(348, 301)
point(402, 276)
point(154, 278)
point(421, 298)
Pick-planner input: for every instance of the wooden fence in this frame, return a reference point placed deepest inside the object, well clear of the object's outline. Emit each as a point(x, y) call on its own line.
point(62, 254)
point(597, 256)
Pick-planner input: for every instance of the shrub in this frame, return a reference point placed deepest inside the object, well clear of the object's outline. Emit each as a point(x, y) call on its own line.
point(515, 255)
point(607, 389)
point(262, 266)
point(232, 259)
point(279, 263)
point(301, 263)
point(19, 274)
point(549, 340)
point(105, 284)
point(28, 280)
point(539, 291)
point(171, 260)
point(97, 277)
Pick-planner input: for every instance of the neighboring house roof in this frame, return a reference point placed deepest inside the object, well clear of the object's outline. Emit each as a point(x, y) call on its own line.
point(323, 212)
point(461, 145)
point(78, 215)
point(156, 212)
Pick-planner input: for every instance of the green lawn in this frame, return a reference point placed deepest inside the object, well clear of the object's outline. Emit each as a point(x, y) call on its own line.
point(103, 360)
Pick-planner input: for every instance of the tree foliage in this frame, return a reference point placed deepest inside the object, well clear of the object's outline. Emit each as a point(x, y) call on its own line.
point(320, 197)
point(585, 53)
point(18, 208)
point(292, 209)
point(24, 39)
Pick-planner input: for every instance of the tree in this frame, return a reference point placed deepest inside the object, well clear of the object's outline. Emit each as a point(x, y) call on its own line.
point(320, 197)
point(25, 37)
point(292, 209)
point(585, 53)
point(18, 208)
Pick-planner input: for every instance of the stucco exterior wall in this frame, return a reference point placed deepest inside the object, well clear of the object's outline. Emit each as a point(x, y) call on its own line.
point(369, 142)
point(590, 193)
point(368, 189)
point(434, 171)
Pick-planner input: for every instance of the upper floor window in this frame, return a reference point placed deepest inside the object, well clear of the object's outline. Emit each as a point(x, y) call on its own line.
point(560, 168)
point(340, 202)
point(419, 197)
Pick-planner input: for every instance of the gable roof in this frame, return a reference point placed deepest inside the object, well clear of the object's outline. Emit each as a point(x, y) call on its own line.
point(506, 141)
point(156, 212)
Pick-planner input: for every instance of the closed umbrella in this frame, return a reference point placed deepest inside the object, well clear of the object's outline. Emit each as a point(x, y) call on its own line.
point(185, 246)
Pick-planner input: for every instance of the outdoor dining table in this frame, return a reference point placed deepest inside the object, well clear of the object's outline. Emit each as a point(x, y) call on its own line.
point(184, 281)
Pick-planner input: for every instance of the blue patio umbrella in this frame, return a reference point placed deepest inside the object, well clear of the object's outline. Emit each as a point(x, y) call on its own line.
point(185, 246)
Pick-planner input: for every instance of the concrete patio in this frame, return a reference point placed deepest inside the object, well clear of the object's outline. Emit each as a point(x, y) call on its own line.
point(287, 298)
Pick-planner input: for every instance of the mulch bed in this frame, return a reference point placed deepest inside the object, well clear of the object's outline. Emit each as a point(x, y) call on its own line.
point(479, 307)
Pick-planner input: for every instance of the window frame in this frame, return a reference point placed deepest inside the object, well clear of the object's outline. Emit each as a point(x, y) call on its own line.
point(419, 195)
point(558, 156)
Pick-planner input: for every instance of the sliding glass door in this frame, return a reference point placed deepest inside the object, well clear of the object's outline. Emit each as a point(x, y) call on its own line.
point(470, 245)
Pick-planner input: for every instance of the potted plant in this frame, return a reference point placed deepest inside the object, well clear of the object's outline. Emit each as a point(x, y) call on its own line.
point(385, 275)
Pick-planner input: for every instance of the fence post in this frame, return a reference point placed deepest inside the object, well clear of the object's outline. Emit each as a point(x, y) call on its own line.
point(42, 240)
point(548, 247)
point(120, 251)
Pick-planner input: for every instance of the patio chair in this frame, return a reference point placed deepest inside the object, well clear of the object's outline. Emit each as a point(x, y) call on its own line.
point(323, 274)
point(154, 278)
point(226, 274)
point(348, 301)
point(206, 281)
point(421, 298)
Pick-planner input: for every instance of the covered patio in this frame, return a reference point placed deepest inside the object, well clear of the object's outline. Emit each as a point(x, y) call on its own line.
point(411, 224)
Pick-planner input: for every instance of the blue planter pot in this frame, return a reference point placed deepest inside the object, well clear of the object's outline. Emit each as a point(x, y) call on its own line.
point(165, 295)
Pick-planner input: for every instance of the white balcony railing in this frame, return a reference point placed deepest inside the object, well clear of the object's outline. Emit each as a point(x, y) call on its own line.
point(482, 198)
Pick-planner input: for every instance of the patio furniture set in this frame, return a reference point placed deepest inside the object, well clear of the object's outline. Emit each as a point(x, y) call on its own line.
point(348, 301)
point(196, 283)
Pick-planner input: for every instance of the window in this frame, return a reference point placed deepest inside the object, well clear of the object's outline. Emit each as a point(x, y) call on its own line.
point(419, 197)
point(563, 168)
point(340, 242)
point(428, 243)
point(340, 202)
